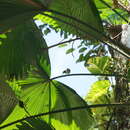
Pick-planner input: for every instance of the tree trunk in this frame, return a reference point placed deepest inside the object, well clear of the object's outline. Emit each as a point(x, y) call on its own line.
point(121, 117)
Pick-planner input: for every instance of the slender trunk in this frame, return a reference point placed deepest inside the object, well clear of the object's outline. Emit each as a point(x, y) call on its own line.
point(122, 114)
point(121, 117)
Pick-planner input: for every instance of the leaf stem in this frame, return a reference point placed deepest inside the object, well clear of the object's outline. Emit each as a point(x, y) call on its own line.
point(86, 74)
point(50, 103)
point(65, 110)
point(57, 44)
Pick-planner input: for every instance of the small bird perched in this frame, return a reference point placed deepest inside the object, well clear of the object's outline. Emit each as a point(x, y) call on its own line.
point(67, 71)
point(125, 36)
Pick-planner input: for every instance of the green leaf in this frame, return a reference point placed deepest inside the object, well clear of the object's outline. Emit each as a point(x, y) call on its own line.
point(34, 124)
point(83, 10)
point(22, 47)
point(70, 50)
point(82, 49)
point(81, 58)
point(15, 12)
point(41, 95)
point(62, 45)
point(98, 89)
point(3, 36)
point(101, 5)
point(109, 15)
point(98, 94)
point(99, 65)
point(8, 100)
point(46, 31)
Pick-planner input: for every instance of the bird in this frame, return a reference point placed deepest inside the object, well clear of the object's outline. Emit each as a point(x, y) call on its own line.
point(67, 71)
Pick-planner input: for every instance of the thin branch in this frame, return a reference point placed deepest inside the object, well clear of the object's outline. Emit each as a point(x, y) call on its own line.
point(73, 48)
point(86, 74)
point(114, 10)
point(108, 44)
point(117, 35)
point(65, 110)
point(57, 44)
point(50, 102)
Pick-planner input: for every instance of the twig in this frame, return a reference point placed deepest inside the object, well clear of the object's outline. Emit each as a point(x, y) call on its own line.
point(60, 43)
point(86, 74)
point(73, 48)
point(117, 35)
point(120, 5)
point(50, 102)
point(65, 110)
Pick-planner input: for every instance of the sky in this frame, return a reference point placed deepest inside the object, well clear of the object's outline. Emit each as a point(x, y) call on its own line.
point(60, 61)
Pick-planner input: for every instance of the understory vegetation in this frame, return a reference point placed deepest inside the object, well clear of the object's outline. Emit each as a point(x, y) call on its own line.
point(30, 99)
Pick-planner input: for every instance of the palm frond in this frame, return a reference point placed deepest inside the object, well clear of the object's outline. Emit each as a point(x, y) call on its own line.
point(20, 49)
point(83, 10)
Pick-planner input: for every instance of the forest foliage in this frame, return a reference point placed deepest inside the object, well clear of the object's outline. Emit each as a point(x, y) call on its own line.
point(30, 98)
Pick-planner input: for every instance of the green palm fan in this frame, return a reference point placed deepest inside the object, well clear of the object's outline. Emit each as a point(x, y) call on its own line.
point(15, 12)
point(77, 17)
point(8, 100)
point(20, 49)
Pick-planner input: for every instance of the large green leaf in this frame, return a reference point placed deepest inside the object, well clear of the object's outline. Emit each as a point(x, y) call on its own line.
point(83, 10)
point(45, 3)
point(101, 5)
point(8, 100)
point(13, 12)
point(99, 65)
point(34, 124)
point(108, 15)
point(98, 89)
point(99, 94)
point(20, 48)
point(40, 95)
